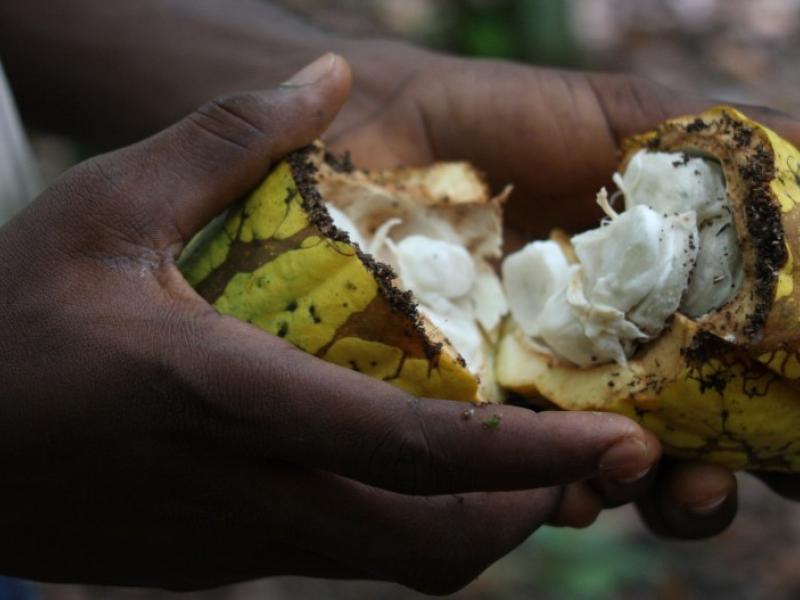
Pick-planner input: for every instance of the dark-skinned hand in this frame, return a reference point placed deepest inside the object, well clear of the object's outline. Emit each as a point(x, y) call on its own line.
point(148, 440)
point(555, 135)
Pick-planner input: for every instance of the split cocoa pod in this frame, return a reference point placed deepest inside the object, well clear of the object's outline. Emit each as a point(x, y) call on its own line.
point(680, 311)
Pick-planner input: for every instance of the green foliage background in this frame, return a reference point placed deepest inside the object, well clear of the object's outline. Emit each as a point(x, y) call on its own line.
point(529, 30)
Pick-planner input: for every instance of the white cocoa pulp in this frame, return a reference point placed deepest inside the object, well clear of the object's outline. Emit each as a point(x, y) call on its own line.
point(459, 295)
point(673, 248)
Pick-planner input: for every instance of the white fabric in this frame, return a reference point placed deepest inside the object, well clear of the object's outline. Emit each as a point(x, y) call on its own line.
point(19, 178)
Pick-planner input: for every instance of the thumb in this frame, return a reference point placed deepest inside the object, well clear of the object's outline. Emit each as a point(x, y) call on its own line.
point(272, 401)
point(170, 185)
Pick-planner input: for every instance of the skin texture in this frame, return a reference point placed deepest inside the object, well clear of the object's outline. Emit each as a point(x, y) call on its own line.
point(556, 135)
point(149, 440)
point(553, 134)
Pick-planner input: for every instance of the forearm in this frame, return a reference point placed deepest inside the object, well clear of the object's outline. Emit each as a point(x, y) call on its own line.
point(116, 71)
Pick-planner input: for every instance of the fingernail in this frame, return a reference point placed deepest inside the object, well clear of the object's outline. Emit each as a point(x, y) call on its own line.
point(706, 508)
point(636, 477)
point(312, 72)
point(623, 461)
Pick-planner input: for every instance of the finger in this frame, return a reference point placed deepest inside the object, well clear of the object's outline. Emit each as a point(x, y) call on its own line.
point(785, 484)
point(170, 185)
point(559, 150)
point(435, 544)
point(690, 500)
point(243, 519)
point(209, 554)
point(582, 502)
point(632, 105)
point(266, 397)
point(616, 493)
point(579, 506)
point(331, 525)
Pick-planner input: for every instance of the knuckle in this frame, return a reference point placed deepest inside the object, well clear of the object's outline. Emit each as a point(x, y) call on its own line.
point(240, 121)
point(403, 460)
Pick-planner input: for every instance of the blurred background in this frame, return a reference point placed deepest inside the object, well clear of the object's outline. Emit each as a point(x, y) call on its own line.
point(736, 50)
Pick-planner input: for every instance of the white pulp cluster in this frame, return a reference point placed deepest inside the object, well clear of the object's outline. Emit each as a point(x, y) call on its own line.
point(674, 248)
point(454, 293)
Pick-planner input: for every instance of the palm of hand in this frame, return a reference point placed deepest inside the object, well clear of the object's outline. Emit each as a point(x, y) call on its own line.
point(152, 441)
point(555, 136)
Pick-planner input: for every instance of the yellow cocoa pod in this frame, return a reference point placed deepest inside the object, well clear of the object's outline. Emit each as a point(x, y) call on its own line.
point(277, 261)
point(720, 387)
point(723, 387)
point(761, 180)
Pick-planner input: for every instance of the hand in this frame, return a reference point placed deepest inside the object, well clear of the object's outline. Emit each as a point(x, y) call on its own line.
point(555, 135)
point(148, 440)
